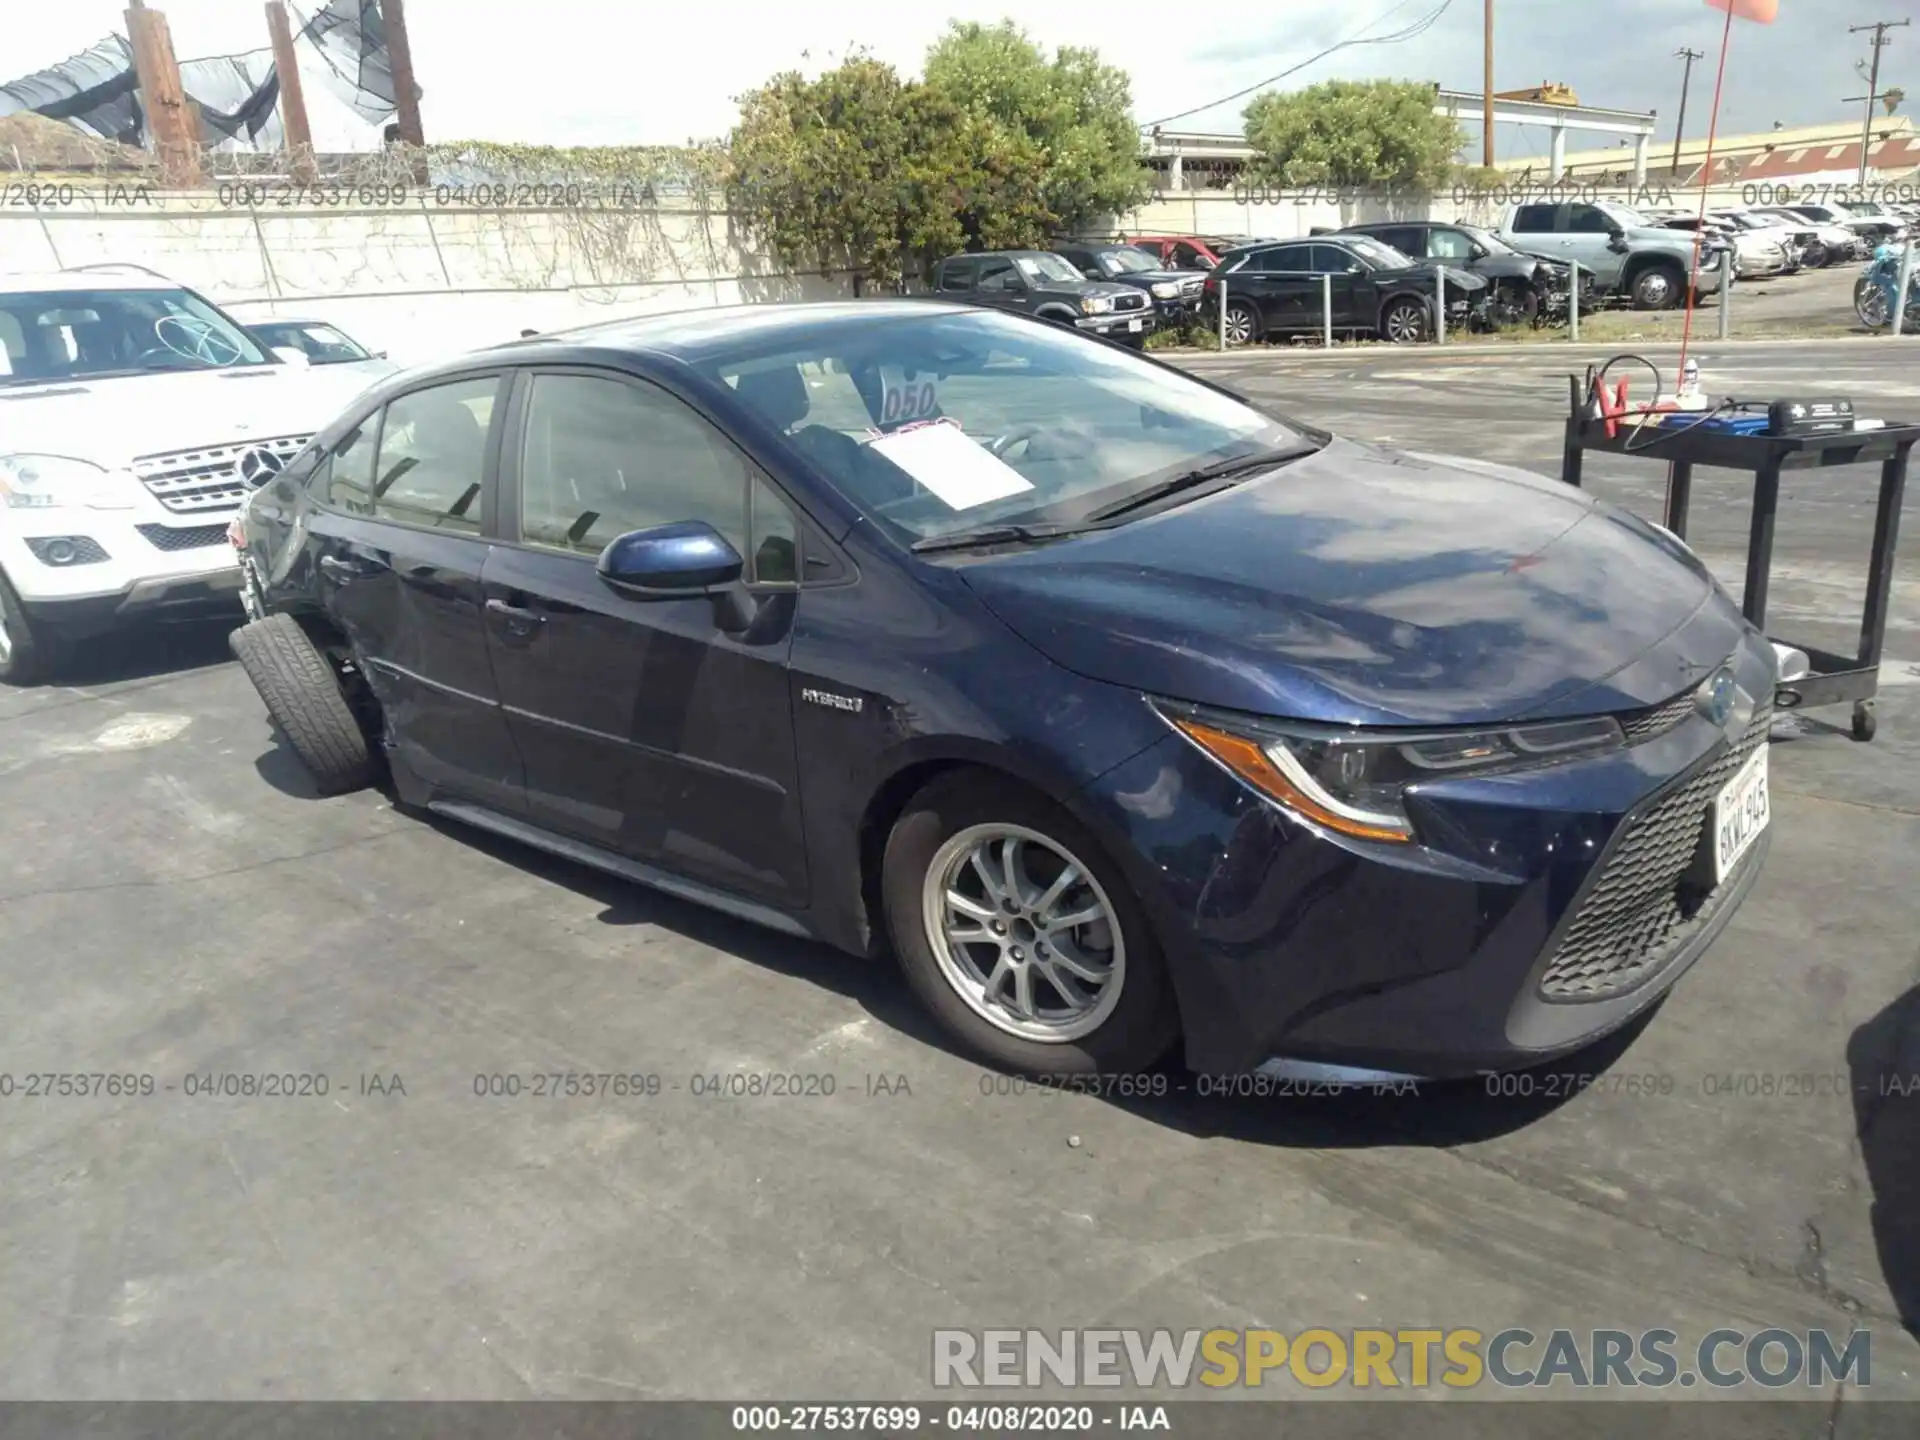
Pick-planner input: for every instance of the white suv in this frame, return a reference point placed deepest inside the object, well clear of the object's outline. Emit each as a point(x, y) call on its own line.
point(134, 417)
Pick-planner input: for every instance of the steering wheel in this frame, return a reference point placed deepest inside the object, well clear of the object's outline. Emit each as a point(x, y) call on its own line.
point(1071, 442)
point(194, 339)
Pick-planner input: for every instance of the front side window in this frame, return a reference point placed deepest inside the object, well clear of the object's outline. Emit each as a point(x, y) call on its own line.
point(345, 481)
point(432, 456)
point(939, 423)
point(998, 274)
point(603, 457)
point(1449, 245)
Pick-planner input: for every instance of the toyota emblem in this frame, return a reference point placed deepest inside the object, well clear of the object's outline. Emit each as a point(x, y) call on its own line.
point(255, 467)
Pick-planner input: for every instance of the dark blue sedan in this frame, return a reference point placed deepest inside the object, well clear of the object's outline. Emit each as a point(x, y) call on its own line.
point(1124, 712)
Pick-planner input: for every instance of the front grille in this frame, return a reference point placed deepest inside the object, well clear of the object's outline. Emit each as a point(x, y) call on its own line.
point(195, 482)
point(1133, 300)
point(188, 537)
point(1656, 720)
point(1641, 909)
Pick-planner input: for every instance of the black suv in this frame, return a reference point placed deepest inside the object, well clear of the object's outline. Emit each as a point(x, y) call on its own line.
point(1522, 287)
point(1047, 287)
point(1280, 289)
point(1176, 293)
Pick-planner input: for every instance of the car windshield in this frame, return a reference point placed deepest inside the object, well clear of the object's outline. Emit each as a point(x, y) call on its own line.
point(1125, 262)
point(1376, 253)
point(321, 344)
point(946, 422)
point(72, 334)
point(1048, 269)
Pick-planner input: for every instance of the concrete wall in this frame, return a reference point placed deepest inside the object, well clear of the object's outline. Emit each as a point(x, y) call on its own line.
point(418, 281)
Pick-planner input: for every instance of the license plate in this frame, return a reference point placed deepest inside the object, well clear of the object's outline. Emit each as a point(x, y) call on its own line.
point(1133, 327)
point(1740, 814)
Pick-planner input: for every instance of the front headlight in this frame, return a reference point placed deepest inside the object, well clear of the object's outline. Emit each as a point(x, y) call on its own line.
point(1095, 304)
point(1355, 781)
point(1166, 290)
point(33, 482)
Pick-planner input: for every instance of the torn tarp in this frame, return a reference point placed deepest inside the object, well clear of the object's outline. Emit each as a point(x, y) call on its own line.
point(343, 45)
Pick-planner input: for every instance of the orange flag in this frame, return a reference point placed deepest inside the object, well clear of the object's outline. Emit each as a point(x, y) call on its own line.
point(1765, 11)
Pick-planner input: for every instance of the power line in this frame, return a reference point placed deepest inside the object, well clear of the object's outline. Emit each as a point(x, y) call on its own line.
point(1417, 28)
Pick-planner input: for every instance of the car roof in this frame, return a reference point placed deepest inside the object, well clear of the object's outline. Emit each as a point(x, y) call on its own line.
point(36, 282)
point(987, 254)
point(695, 334)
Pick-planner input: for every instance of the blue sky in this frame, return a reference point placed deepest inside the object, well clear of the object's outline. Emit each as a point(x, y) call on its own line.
point(617, 71)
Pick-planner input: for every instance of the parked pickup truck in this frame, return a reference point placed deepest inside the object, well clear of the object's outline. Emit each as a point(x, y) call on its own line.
point(1176, 293)
point(1043, 285)
point(1627, 254)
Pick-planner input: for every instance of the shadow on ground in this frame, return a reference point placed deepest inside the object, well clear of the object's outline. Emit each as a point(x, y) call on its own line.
point(1884, 1057)
point(1426, 1115)
point(140, 652)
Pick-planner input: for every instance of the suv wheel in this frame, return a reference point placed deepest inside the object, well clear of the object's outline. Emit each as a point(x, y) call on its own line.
point(27, 647)
point(1020, 935)
point(303, 696)
point(1243, 323)
point(1404, 322)
point(1659, 287)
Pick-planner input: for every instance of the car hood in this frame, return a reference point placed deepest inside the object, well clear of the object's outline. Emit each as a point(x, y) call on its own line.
point(1362, 585)
point(1157, 277)
point(1109, 288)
point(1458, 276)
point(110, 421)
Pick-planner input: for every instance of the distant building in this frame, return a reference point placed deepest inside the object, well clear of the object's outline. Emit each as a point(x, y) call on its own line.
point(1807, 155)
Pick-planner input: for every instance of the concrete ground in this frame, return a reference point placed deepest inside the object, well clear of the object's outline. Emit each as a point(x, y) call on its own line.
point(177, 903)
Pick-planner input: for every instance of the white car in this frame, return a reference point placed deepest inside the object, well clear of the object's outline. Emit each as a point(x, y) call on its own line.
point(320, 343)
point(135, 416)
point(1839, 242)
point(1776, 248)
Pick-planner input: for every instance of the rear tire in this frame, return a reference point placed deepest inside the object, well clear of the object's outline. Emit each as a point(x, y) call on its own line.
point(1243, 323)
point(303, 696)
point(1123, 1021)
point(29, 649)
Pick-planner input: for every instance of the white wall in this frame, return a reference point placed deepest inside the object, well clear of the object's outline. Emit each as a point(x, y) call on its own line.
point(418, 282)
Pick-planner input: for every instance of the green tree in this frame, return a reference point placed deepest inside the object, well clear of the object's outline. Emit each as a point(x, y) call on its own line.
point(821, 169)
point(1069, 117)
point(1352, 132)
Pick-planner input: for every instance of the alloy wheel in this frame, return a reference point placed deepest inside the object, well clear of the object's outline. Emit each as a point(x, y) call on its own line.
point(1024, 933)
point(1239, 325)
point(1406, 324)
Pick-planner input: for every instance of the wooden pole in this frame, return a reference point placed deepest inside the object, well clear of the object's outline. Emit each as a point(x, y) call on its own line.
point(293, 99)
point(406, 99)
point(170, 123)
point(1487, 100)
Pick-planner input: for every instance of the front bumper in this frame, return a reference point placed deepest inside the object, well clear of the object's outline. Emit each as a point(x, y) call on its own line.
point(155, 564)
point(1134, 324)
point(1489, 945)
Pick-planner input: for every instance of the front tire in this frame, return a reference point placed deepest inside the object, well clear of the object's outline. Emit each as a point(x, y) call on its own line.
point(1020, 934)
point(1243, 323)
point(303, 696)
point(1405, 322)
point(1870, 304)
point(29, 648)
point(1659, 287)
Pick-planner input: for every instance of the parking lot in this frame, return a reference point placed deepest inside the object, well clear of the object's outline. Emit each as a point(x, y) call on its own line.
point(178, 904)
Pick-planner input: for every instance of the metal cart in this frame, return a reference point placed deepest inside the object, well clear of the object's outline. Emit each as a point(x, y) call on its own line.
point(1835, 679)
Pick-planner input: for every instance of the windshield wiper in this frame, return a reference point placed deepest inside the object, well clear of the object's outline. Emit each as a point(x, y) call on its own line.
point(1219, 470)
point(994, 535)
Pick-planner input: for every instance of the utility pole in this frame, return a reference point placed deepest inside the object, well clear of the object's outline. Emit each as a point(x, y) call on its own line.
point(1686, 83)
point(172, 123)
point(406, 98)
point(293, 99)
point(1880, 42)
point(1486, 112)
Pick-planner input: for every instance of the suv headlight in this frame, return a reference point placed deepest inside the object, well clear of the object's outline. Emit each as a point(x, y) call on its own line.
point(1166, 290)
point(1095, 304)
point(1354, 781)
point(33, 482)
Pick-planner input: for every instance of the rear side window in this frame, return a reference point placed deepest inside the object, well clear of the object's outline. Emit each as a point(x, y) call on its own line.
point(1533, 220)
point(432, 456)
point(1407, 239)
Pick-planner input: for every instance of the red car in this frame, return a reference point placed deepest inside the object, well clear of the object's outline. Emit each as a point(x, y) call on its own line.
point(1186, 252)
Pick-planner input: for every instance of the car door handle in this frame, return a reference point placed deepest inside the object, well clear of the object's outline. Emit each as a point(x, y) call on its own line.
point(519, 622)
point(351, 569)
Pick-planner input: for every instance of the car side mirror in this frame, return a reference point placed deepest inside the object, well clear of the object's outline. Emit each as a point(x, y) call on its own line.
point(287, 355)
point(1478, 252)
point(675, 562)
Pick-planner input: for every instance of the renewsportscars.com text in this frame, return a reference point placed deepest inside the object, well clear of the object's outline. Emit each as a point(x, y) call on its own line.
point(1398, 1359)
